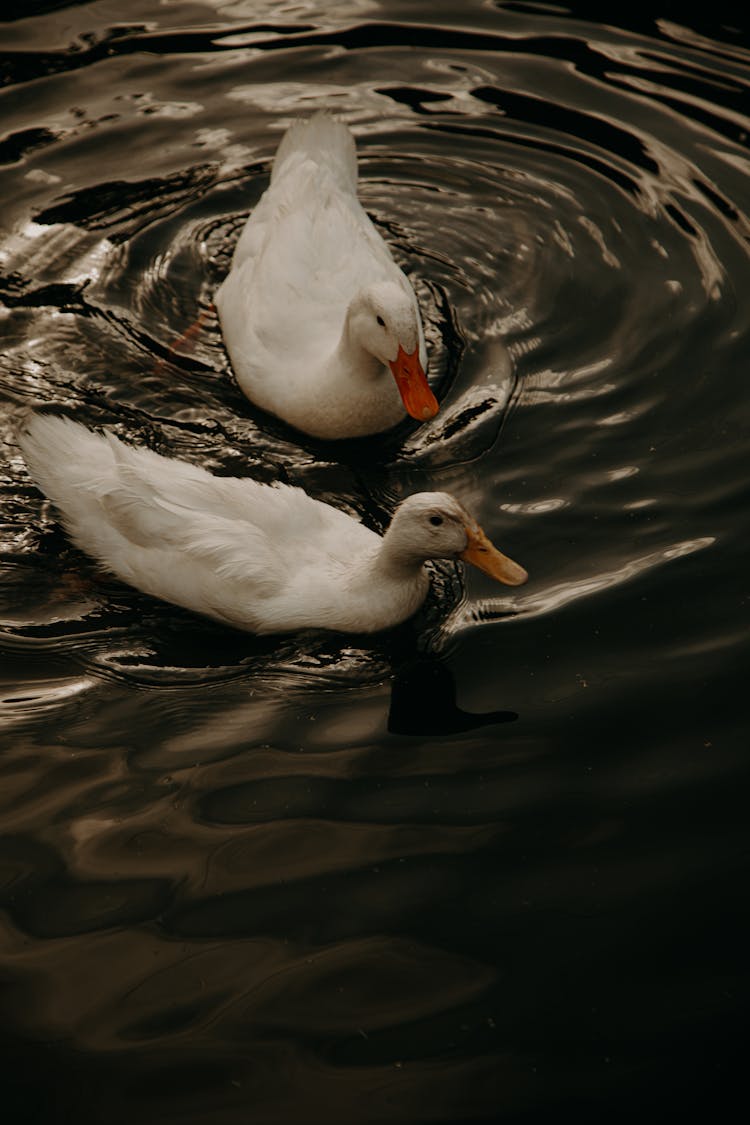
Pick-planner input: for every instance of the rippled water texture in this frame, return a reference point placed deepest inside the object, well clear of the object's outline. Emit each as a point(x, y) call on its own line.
point(491, 866)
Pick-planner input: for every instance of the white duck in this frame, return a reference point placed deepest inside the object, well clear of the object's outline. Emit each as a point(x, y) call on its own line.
point(267, 558)
point(322, 327)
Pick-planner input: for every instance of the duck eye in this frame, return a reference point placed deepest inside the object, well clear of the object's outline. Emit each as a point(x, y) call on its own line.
point(436, 520)
point(380, 321)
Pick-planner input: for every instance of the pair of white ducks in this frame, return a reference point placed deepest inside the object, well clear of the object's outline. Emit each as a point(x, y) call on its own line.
point(323, 330)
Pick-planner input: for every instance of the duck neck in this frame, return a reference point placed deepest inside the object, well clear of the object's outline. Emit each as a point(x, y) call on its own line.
point(352, 395)
point(401, 584)
point(397, 562)
point(351, 355)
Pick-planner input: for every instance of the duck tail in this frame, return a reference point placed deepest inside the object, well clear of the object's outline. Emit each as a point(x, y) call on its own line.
point(324, 140)
point(62, 456)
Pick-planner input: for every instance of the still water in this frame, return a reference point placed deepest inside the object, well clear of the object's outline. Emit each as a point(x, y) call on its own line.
point(493, 865)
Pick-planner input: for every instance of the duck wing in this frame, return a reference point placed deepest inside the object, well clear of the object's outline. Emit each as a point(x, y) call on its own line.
point(300, 264)
point(248, 554)
point(306, 249)
point(320, 149)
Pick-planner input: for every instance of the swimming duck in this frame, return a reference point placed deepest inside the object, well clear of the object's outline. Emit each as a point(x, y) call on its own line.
point(263, 557)
point(322, 327)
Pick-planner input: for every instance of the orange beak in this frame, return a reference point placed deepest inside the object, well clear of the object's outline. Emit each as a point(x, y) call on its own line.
point(481, 553)
point(418, 399)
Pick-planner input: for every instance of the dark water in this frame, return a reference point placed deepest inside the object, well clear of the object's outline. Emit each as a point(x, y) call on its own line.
point(492, 866)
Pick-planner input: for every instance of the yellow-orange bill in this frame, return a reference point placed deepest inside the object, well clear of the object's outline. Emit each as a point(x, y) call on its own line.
point(482, 554)
point(418, 399)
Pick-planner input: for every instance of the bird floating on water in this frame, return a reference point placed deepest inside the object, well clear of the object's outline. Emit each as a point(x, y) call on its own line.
point(322, 327)
point(262, 557)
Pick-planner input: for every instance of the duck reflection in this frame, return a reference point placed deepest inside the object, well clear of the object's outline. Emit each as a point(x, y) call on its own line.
point(423, 701)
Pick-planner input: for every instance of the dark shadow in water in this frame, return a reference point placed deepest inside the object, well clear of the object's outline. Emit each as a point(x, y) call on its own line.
point(423, 701)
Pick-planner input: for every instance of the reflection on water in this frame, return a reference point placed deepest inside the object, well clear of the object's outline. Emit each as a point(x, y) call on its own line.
point(423, 701)
point(546, 601)
point(490, 865)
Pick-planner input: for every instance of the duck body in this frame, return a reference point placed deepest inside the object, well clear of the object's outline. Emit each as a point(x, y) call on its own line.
point(321, 326)
point(265, 558)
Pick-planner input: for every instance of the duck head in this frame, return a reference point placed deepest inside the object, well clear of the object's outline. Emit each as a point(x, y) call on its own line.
point(383, 319)
point(433, 525)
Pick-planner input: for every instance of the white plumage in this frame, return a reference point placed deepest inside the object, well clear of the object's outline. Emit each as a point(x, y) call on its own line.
point(322, 327)
point(266, 558)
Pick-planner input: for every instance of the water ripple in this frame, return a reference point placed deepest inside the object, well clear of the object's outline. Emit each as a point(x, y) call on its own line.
point(397, 877)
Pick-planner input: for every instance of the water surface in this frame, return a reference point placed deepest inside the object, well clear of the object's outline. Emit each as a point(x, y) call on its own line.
point(491, 866)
